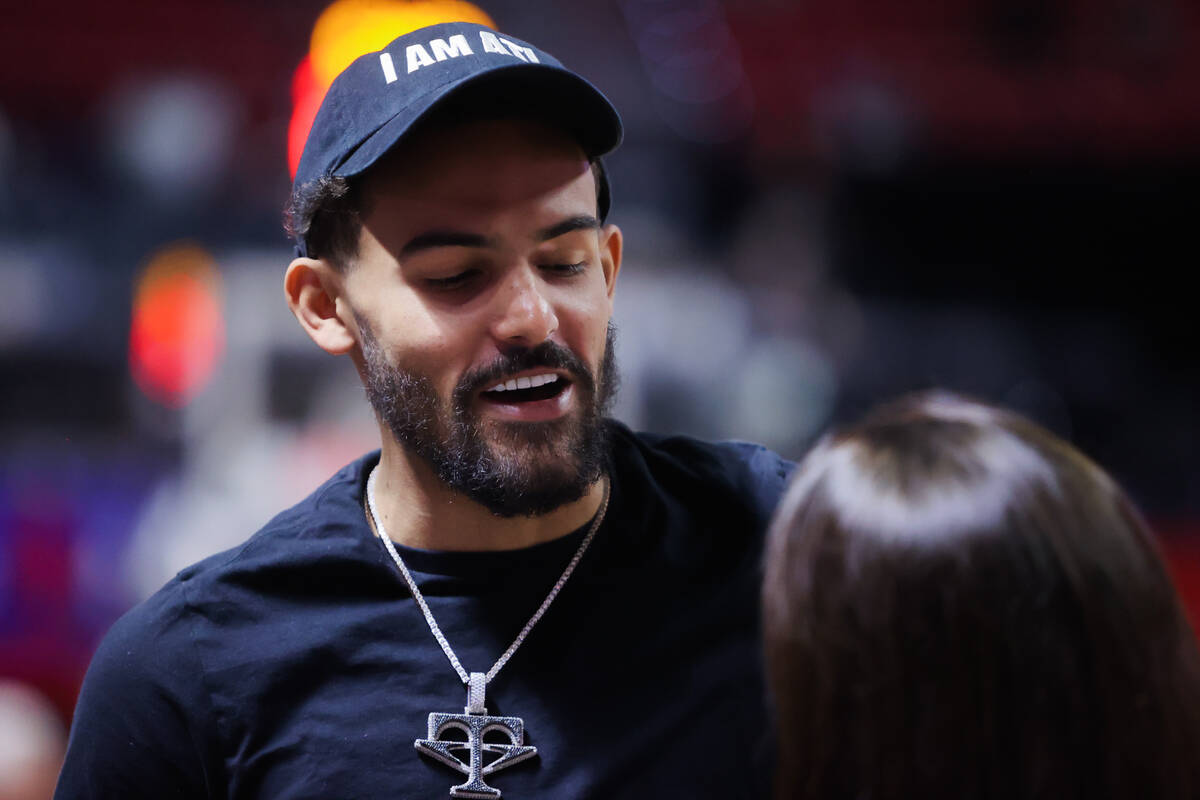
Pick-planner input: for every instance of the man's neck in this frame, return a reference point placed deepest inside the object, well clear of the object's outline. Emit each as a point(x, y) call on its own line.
point(418, 510)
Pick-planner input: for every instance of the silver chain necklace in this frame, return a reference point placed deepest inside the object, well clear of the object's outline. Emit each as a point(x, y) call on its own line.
point(475, 721)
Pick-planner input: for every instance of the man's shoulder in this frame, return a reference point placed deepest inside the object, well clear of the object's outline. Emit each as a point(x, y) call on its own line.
point(147, 721)
point(328, 511)
point(319, 531)
point(724, 460)
point(722, 456)
point(749, 471)
point(331, 514)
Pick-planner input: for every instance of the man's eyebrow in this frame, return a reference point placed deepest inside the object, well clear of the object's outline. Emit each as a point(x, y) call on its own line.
point(582, 222)
point(432, 239)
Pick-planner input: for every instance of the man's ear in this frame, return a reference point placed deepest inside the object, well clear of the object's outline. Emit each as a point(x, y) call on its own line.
point(312, 288)
point(610, 255)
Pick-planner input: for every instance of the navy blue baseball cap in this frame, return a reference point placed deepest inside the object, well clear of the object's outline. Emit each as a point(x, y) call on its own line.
point(382, 95)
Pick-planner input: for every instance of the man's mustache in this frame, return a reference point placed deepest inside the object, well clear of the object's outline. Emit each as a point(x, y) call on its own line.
point(549, 355)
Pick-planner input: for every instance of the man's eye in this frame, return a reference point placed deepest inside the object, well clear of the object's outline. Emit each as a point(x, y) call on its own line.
point(457, 281)
point(567, 269)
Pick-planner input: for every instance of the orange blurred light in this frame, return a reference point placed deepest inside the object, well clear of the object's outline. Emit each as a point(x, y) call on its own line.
point(177, 333)
point(347, 29)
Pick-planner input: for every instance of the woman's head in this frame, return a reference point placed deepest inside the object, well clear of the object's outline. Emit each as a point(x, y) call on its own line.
point(957, 601)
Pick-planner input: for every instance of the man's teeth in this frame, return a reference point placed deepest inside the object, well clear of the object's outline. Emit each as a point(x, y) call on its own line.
point(524, 383)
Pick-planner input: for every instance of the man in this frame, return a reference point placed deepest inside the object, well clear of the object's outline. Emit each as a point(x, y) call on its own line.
point(449, 214)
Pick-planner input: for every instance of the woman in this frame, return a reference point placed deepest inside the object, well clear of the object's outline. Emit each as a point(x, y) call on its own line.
point(959, 604)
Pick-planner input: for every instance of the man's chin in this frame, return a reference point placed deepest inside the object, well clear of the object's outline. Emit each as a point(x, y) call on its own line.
point(548, 437)
point(538, 494)
point(550, 460)
point(547, 466)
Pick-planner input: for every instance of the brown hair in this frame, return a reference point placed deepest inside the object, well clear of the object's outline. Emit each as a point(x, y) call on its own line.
point(957, 603)
point(325, 215)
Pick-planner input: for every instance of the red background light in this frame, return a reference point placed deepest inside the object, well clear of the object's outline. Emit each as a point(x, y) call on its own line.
point(177, 333)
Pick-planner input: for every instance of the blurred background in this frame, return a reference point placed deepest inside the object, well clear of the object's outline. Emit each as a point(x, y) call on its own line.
point(826, 203)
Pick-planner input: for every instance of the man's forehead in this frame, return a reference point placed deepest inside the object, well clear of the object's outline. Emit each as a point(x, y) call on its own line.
point(478, 185)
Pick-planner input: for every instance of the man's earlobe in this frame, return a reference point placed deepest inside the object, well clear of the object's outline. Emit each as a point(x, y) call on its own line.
point(610, 255)
point(311, 287)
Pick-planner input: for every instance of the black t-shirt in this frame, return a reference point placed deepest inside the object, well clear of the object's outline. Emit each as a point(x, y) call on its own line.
point(298, 665)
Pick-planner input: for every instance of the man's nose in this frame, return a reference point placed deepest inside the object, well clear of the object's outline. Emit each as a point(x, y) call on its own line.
point(524, 314)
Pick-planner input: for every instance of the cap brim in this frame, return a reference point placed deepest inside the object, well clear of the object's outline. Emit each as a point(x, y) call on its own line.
point(541, 91)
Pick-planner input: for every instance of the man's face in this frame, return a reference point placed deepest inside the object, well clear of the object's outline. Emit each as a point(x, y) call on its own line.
point(482, 294)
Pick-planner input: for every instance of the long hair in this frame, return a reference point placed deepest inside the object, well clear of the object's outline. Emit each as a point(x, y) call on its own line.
point(957, 603)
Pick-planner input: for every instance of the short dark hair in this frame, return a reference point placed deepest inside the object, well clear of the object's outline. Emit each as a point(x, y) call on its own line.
point(957, 603)
point(324, 214)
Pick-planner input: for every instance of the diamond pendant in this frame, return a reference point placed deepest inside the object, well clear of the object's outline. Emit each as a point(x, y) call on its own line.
point(475, 722)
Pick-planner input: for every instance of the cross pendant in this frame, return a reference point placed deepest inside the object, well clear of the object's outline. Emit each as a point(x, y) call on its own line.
point(475, 722)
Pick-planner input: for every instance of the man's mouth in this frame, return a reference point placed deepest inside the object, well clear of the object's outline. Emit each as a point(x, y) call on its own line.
point(527, 388)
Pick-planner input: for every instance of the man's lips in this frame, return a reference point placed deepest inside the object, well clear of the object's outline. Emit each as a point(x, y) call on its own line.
point(530, 379)
point(530, 396)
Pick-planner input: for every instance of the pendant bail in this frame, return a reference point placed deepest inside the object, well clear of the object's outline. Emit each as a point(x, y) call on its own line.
point(476, 693)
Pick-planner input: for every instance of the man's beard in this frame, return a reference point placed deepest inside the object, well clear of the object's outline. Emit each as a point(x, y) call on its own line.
point(510, 468)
